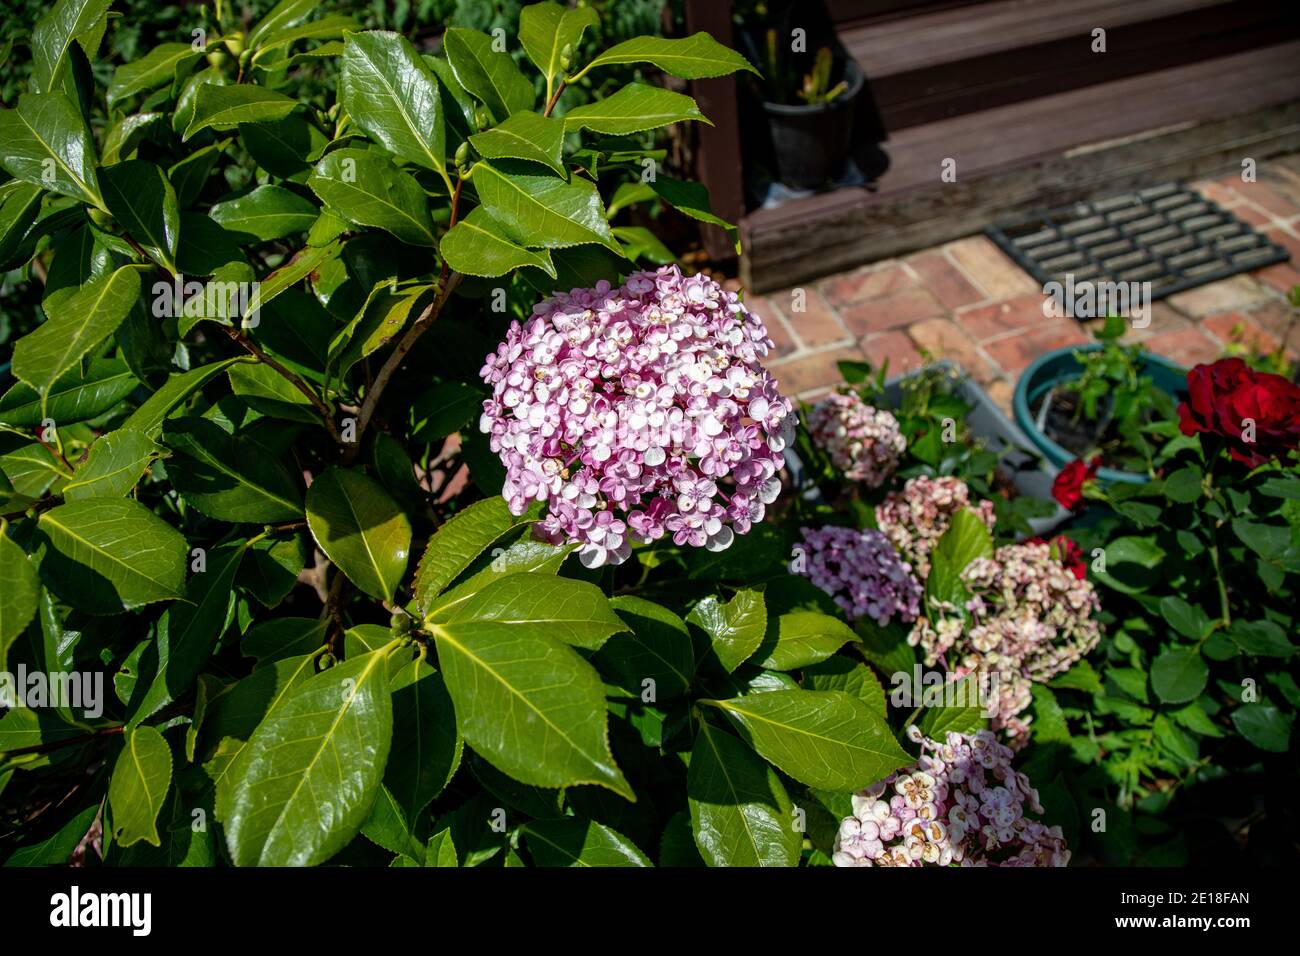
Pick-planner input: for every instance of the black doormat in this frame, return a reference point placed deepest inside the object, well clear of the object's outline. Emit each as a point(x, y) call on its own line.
point(1168, 235)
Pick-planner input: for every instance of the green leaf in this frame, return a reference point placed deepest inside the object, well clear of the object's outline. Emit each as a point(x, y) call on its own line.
point(230, 477)
point(489, 76)
point(445, 408)
point(226, 107)
point(658, 648)
point(20, 590)
point(528, 704)
point(266, 390)
point(440, 850)
point(1184, 485)
point(696, 57)
point(966, 539)
point(326, 28)
point(1262, 638)
point(47, 143)
point(280, 637)
point(187, 634)
point(426, 746)
point(149, 417)
point(805, 637)
point(545, 29)
point(573, 842)
point(367, 189)
point(266, 213)
point(740, 812)
point(842, 673)
point(529, 136)
point(692, 199)
point(571, 611)
point(392, 94)
point(285, 14)
point(143, 202)
point(1187, 619)
point(1269, 541)
point(164, 64)
point(735, 628)
point(113, 466)
point(285, 147)
point(107, 555)
point(19, 205)
point(141, 779)
point(1129, 561)
point(1265, 726)
point(67, 22)
point(360, 528)
point(544, 211)
point(309, 776)
point(959, 709)
point(387, 827)
point(633, 109)
point(87, 318)
point(1179, 676)
point(825, 739)
point(455, 545)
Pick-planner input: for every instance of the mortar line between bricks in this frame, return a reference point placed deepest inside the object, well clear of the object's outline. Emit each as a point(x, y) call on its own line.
point(790, 323)
point(971, 278)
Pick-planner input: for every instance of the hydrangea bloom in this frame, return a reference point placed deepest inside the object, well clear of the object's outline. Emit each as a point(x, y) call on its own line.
point(864, 442)
point(1030, 618)
point(915, 518)
point(862, 572)
point(637, 412)
point(961, 803)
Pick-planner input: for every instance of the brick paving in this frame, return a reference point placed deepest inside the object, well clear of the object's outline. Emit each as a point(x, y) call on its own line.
point(966, 301)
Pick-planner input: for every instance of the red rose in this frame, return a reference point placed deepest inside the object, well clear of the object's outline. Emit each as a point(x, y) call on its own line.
point(1257, 412)
point(1068, 553)
point(1068, 486)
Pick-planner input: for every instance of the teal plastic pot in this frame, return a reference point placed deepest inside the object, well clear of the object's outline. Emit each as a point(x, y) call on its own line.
point(1060, 365)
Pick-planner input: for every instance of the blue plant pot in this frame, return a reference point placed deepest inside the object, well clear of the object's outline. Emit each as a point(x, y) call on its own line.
point(1060, 365)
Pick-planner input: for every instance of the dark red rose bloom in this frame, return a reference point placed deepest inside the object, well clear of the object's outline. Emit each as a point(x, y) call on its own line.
point(1070, 554)
point(1068, 486)
point(1257, 412)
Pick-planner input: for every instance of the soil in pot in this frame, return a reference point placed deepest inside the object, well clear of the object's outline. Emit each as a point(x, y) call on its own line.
point(1065, 422)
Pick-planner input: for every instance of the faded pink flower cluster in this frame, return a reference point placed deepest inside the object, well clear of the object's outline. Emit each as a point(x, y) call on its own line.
point(961, 804)
point(1030, 618)
point(915, 518)
point(864, 442)
point(638, 412)
point(862, 572)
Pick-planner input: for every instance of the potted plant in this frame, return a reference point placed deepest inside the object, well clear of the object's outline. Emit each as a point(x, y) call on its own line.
point(1103, 399)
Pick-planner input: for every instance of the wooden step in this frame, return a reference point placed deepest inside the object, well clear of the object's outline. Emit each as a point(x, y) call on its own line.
point(1179, 122)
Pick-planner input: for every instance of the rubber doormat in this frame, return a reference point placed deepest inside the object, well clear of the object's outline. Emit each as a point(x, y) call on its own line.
point(1169, 235)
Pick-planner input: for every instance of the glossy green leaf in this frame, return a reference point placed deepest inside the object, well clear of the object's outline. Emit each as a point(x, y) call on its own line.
point(696, 57)
point(488, 75)
point(67, 22)
point(426, 746)
point(455, 545)
point(393, 95)
point(19, 204)
point(571, 611)
point(20, 590)
point(42, 357)
point(266, 213)
point(226, 107)
point(477, 246)
point(230, 477)
point(957, 708)
point(306, 781)
point(107, 555)
point(367, 189)
point(361, 529)
point(77, 395)
point(803, 638)
point(581, 843)
point(545, 29)
point(1265, 726)
point(544, 211)
point(825, 739)
point(1179, 676)
point(734, 627)
point(141, 778)
point(842, 673)
point(632, 109)
point(528, 704)
point(284, 147)
point(142, 200)
point(46, 142)
point(740, 812)
point(160, 66)
point(657, 647)
point(530, 136)
point(285, 14)
point(113, 466)
point(151, 414)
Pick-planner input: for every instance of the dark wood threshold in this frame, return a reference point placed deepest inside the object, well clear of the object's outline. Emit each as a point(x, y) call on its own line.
point(1180, 122)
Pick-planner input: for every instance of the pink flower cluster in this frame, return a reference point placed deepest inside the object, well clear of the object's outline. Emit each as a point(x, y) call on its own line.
point(864, 442)
point(915, 518)
point(638, 412)
point(961, 804)
point(1029, 618)
point(862, 572)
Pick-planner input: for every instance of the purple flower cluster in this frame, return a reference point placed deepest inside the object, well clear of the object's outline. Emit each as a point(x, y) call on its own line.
point(961, 804)
point(638, 412)
point(864, 442)
point(915, 518)
point(862, 572)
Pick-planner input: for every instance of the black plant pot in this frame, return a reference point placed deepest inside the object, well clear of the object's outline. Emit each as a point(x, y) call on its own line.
point(812, 141)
